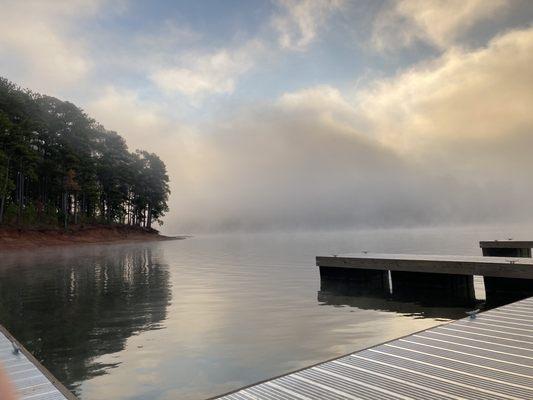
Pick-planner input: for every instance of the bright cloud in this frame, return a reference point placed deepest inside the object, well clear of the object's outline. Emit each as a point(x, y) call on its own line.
point(124, 112)
point(300, 20)
point(480, 95)
point(147, 125)
point(35, 45)
point(436, 22)
point(212, 73)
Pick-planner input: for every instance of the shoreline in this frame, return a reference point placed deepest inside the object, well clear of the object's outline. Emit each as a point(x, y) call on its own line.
point(19, 239)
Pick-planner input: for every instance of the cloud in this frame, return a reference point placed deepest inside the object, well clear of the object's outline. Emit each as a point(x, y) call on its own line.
point(326, 104)
point(467, 115)
point(436, 22)
point(36, 48)
point(125, 112)
point(198, 75)
point(299, 20)
point(153, 127)
point(463, 97)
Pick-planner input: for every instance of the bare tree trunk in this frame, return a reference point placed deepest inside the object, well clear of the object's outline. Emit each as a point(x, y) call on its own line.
point(149, 217)
point(75, 209)
point(65, 211)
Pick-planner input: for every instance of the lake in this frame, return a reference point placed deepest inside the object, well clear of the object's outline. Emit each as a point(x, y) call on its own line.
point(194, 318)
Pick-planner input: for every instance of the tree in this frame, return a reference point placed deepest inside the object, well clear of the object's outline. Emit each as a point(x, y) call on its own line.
point(59, 162)
point(151, 187)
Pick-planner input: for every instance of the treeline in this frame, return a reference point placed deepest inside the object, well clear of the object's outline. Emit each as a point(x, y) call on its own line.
point(60, 167)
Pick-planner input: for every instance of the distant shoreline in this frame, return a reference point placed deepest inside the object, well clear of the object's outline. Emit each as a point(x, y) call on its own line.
point(16, 239)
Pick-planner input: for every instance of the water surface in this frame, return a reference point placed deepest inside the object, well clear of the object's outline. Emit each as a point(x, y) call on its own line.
point(195, 318)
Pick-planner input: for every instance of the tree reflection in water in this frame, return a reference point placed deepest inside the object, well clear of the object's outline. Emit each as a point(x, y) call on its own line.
point(69, 308)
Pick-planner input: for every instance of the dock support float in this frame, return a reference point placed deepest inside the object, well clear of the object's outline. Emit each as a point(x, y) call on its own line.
point(455, 288)
point(354, 281)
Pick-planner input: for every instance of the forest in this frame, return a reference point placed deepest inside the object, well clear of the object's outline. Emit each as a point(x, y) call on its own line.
point(59, 167)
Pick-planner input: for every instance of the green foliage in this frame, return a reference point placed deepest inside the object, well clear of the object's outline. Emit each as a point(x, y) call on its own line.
point(6, 184)
point(29, 216)
point(10, 213)
point(57, 165)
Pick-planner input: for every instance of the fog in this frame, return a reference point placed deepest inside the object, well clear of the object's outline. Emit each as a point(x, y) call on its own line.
point(302, 174)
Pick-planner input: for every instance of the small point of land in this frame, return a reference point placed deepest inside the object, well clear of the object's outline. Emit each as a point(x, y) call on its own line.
point(13, 239)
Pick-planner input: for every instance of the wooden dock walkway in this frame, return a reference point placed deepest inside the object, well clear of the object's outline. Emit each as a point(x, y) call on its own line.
point(489, 357)
point(31, 380)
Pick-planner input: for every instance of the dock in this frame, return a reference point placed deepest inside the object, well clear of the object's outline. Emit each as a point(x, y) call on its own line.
point(506, 248)
point(486, 357)
point(445, 275)
point(32, 381)
point(508, 267)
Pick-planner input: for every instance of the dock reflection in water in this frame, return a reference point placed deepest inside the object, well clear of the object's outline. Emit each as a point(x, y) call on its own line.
point(83, 306)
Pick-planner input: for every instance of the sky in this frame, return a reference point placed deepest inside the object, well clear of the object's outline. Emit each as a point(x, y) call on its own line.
point(300, 114)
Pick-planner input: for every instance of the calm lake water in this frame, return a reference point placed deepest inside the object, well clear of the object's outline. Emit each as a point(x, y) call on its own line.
point(199, 317)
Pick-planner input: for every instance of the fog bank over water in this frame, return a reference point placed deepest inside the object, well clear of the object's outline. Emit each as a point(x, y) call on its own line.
point(291, 172)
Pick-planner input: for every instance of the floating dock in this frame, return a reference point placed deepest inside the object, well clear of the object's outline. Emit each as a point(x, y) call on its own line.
point(488, 357)
point(441, 275)
point(31, 380)
point(502, 267)
point(506, 248)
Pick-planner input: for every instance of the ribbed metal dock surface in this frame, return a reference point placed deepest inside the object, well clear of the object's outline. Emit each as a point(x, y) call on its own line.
point(489, 357)
point(31, 380)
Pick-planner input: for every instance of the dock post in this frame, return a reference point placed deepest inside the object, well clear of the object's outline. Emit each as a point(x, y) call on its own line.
point(457, 289)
